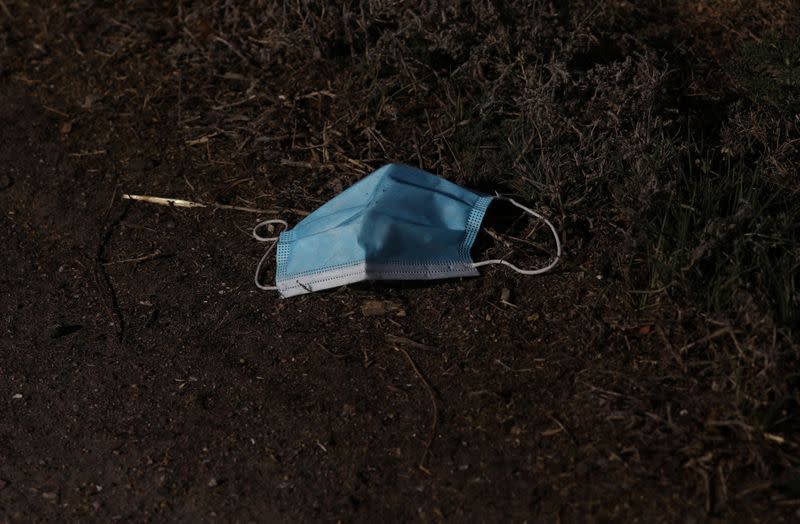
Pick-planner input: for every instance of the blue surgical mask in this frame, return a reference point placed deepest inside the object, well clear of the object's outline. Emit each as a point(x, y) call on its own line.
point(398, 223)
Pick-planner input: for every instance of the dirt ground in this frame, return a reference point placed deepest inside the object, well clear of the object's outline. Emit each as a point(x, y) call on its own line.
point(144, 377)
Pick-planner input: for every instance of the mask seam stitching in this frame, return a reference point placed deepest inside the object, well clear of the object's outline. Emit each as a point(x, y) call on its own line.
point(426, 263)
point(474, 222)
point(443, 270)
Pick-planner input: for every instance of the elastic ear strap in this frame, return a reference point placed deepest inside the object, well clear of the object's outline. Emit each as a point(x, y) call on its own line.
point(266, 223)
point(274, 241)
point(258, 270)
point(512, 266)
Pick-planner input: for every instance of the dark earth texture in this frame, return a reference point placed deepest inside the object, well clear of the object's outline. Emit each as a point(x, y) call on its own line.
point(143, 377)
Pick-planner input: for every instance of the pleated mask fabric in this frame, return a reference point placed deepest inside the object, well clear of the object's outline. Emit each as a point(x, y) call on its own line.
point(398, 223)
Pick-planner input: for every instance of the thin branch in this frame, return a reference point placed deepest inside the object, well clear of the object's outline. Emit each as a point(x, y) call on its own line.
point(144, 258)
point(435, 422)
point(172, 202)
point(179, 202)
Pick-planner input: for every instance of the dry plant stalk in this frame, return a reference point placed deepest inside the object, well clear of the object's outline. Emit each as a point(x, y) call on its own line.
point(176, 202)
point(179, 202)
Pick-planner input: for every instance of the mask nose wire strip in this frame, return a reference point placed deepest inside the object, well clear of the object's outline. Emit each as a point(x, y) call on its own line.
point(274, 241)
point(527, 271)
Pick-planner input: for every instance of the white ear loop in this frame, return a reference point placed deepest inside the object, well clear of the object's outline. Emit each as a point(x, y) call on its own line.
point(512, 266)
point(274, 241)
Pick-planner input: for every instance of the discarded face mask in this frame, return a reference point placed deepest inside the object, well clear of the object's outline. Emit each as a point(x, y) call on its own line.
point(398, 223)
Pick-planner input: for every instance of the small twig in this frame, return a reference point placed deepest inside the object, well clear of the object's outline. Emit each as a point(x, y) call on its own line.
point(649, 291)
point(736, 343)
point(707, 484)
point(297, 163)
point(774, 438)
point(100, 275)
point(498, 238)
point(420, 162)
point(111, 203)
point(435, 422)
point(201, 140)
point(668, 345)
point(521, 370)
point(697, 465)
point(314, 94)
point(331, 353)
point(47, 108)
point(561, 428)
point(115, 321)
point(173, 202)
point(88, 153)
point(231, 47)
point(705, 339)
point(753, 489)
point(244, 209)
point(403, 341)
point(179, 202)
point(143, 258)
point(606, 391)
point(5, 9)
point(188, 183)
point(234, 104)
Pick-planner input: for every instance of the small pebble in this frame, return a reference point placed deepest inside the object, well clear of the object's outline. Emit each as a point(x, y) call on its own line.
point(16, 396)
point(49, 495)
point(213, 483)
